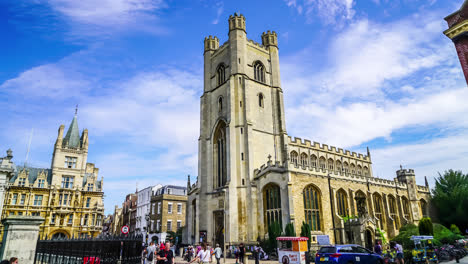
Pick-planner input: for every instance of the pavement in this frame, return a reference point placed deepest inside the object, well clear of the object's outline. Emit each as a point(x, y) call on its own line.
point(462, 261)
point(180, 260)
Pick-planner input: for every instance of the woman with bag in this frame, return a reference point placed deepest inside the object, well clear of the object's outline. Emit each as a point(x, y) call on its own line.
point(203, 256)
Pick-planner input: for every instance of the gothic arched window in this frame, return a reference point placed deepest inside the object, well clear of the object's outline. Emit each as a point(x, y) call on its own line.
point(346, 167)
point(359, 170)
point(423, 205)
point(322, 162)
point(294, 157)
point(221, 74)
point(378, 208)
point(406, 211)
point(260, 100)
point(272, 204)
point(259, 71)
point(338, 166)
point(304, 160)
point(366, 171)
point(312, 208)
point(331, 164)
point(342, 203)
point(393, 212)
point(313, 161)
point(219, 155)
point(353, 169)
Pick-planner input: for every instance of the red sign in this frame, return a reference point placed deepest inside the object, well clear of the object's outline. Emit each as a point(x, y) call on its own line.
point(124, 229)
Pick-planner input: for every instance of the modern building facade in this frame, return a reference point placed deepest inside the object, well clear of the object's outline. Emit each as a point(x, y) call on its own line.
point(168, 208)
point(68, 196)
point(143, 210)
point(252, 173)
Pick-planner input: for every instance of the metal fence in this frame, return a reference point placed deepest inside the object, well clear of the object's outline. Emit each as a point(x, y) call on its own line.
point(104, 250)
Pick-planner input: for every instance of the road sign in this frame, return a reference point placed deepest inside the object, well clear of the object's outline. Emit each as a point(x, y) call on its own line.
point(124, 229)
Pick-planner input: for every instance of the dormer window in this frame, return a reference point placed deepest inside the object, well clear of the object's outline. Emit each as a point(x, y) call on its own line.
point(220, 74)
point(259, 72)
point(41, 183)
point(22, 181)
point(70, 162)
point(90, 187)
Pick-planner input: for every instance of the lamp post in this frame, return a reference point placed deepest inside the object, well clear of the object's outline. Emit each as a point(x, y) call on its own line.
point(147, 218)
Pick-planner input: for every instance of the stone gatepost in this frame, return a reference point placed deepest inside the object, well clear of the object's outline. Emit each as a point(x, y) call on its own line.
point(20, 238)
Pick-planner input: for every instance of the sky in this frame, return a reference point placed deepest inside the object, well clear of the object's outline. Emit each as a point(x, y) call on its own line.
point(355, 73)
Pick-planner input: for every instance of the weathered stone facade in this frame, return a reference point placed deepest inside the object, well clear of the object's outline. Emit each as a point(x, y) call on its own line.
point(68, 196)
point(251, 173)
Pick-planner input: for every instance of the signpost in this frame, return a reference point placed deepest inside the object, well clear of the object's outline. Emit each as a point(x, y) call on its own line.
point(124, 230)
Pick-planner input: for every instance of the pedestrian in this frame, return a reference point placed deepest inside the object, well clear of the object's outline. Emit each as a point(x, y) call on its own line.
point(165, 256)
point(144, 255)
point(257, 254)
point(203, 255)
point(14, 260)
point(399, 253)
point(236, 253)
point(150, 253)
point(218, 252)
point(241, 252)
point(378, 247)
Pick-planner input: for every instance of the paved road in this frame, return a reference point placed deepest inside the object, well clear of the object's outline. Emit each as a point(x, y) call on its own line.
point(462, 261)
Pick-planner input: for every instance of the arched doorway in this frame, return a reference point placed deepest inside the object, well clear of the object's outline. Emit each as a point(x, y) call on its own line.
point(369, 241)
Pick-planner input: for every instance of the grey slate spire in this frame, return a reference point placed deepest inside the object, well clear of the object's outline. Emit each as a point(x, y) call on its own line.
point(72, 138)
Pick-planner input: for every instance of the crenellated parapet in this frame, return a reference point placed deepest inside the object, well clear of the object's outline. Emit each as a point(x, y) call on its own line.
point(307, 144)
point(236, 21)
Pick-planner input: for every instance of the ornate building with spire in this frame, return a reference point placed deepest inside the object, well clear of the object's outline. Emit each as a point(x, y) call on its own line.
point(68, 195)
point(252, 174)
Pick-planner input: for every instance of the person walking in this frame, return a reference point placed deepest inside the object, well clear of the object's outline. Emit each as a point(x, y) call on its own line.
point(241, 252)
point(218, 252)
point(399, 254)
point(203, 255)
point(150, 254)
point(166, 255)
point(378, 247)
point(144, 254)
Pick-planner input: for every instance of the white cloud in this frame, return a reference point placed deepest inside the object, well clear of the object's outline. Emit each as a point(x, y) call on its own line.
point(329, 11)
point(219, 12)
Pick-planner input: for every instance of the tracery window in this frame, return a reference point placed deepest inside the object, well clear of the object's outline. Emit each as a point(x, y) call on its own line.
point(312, 208)
point(346, 167)
point(359, 170)
point(259, 72)
point(272, 205)
point(423, 205)
point(322, 162)
point(406, 211)
point(221, 74)
point(342, 203)
point(338, 166)
point(331, 164)
point(313, 161)
point(393, 212)
point(294, 158)
point(353, 168)
point(219, 158)
point(261, 100)
point(304, 160)
point(366, 171)
point(378, 208)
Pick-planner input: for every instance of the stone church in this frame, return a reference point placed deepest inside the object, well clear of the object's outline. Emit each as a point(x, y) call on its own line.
point(252, 173)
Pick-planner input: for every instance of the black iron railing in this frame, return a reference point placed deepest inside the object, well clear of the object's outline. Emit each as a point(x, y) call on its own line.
point(103, 250)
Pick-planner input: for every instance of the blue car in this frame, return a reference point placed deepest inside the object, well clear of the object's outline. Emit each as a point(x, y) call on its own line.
point(347, 254)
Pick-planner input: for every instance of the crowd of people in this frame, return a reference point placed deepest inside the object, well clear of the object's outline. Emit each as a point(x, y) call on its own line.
point(394, 249)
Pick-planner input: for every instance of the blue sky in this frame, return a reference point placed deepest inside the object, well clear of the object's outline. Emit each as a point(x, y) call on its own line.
point(355, 73)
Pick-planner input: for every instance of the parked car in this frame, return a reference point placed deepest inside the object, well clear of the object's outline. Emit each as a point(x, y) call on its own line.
point(346, 254)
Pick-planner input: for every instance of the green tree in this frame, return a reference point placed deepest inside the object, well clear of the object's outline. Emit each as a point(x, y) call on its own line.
point(425, 227)
point(274, 231)
point(450, 198)
point(454, 228)
point(305, 232)
point(289, 230)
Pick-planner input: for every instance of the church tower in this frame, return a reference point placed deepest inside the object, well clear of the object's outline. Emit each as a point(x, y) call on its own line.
point(458, 33)
point(242, 126)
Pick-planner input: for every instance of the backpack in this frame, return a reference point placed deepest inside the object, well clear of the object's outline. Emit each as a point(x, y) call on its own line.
point(150, 256)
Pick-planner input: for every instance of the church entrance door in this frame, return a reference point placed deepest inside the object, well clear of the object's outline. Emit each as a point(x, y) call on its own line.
point(368, 239)
point(219, 228)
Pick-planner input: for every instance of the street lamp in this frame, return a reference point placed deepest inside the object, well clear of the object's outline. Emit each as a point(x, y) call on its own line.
point(147, 218)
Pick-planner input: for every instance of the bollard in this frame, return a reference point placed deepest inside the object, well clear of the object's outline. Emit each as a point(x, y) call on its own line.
point(246, 257)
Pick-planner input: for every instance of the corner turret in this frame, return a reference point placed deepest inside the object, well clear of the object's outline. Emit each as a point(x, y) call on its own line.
point(236, 21)
point(211, 43)
point(59, 141)
point(269, 39)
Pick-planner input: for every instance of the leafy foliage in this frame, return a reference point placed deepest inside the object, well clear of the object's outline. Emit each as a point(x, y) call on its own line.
point(454, 228)
point(381, 235)
point(404, 237)
point(289, 230)
point(450, 197)
point(274, 231)
point(305, 232)
point(347, 218)
point(443, 235)
point(425, 227)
